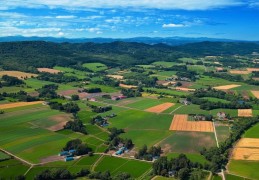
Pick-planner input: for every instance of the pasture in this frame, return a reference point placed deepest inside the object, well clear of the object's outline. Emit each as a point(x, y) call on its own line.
point(115, 165)
point(49, 70)
point(95, 67)
point(247, 169)
point(252, 132)
point(187, 142)
point(164, 63)
point(18, 74)
point(72, 72)
point(9, 169)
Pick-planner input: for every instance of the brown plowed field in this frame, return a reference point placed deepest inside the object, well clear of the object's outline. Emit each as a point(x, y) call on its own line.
point(180, 123)
point(239, 72)
point(245, 113)
point(226, 87)
point(160, 108)
point(252, 69)
point(48, 70)
point(18, 104)
point(184, 89)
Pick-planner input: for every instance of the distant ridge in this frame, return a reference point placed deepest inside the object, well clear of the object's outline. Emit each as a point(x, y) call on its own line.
point(173, 41)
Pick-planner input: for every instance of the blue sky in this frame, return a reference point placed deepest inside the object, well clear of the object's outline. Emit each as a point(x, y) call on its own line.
point(232, 19)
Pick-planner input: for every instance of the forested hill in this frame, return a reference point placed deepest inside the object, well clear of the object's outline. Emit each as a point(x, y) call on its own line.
point(26, 56)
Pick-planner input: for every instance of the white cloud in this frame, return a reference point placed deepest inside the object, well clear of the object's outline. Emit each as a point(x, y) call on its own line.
point(157, 4)
point(65, 17)
point(93, 30)
point(171, 25)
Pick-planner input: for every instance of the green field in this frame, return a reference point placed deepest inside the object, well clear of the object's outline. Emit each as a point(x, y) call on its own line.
point(164, 63)
point(9, 169)
point(72, 72)
point(188, 142)
point(211, 99)
point(116, 165)
point(223, 133)
point(247, 169)
point(145, 103)
point(4, 156)
point(253, 132)
point(95, 67)
point(171, 92)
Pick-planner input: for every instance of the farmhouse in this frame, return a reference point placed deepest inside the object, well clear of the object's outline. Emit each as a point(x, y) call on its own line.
point(221, 115)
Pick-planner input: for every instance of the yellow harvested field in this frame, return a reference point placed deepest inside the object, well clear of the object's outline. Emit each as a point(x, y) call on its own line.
point(245, 113)
point(119, 77)
point(169, 83)
point(246, 149)
point(160, 108)
point(252, 69)
point(255, 93)
point(49, 70)
point(184, 89)
point(239, 72)
point(128, 86)
point(251, 154)
point(180, 123)
point(226, 87)
point(219, 69)
point(19, 104)
point(18, 74)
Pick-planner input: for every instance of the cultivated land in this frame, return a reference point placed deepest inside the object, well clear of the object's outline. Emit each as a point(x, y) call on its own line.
point(18, 74)
point(49, 70)
point(160, 108)
point(256, 94)
point(180, 123)
point(226, 87)
point(245, 113)
point(19, 104)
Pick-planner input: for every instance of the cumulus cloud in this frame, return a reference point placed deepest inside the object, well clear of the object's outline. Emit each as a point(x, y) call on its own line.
point(157, 4)
point(171, 25)
point(66, 17)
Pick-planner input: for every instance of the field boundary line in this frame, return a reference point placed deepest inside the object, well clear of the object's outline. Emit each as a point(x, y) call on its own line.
point(28, 170)
point(96, 162)
point(26, 162)
point(240, 176)
point(120, 166)
point(145, 173)
point(215, 133)
point(176, 109)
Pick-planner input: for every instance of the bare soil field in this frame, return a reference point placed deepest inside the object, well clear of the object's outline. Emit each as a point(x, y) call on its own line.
point(119, 77)
point(252, 69)
point(246, 149)
point(128, 86)
point(245, 113)
point(68, 92)
point(160, 108)
point(52, 159)
point(226, 87)
point(255, 93)
point(180, 123)
point(61, 120)
point(184, 89)
point(18, 74)
point(19, 104)
point(239, 72)
point(49, 70)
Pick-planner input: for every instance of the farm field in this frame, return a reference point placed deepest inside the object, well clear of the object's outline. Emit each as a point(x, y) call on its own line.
point(19, 104)
point(115, 165)
point(11, 168)
point(95, 67)
point(160, 108)
point(144, 103)
point(193, 157)
point(245, 113)
point(252, 132)
point(223, 132)
point(48, 70)
point(18, 74)
point(72, 72)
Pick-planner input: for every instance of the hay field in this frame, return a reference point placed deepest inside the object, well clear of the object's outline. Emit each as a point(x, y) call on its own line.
point(118, 77)
point(246, 149)
point(160, 108)
point(184, 89)
point(245, 113)
point(226, 87)
point(49, 70)
point(18, 104)
point(239, 72)
point(18, 74)
point(255, 93)
point(252, 69)
point(180, 123)
point(128, 86)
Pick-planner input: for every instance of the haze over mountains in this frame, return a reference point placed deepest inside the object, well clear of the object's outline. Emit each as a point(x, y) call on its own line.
point(147, 40)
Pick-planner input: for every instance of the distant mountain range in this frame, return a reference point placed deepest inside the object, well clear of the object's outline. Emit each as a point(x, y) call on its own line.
point(173, 41)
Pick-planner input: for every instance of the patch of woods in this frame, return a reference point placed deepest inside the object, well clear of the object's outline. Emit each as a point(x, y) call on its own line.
point(148, 154)
point(20, 96)
point(102, 121)
point(76, 125)
point(99, 109)
point(48, 91)
point(79, 147)
point(131, 92)
point(114, 141)
point(236, 102)
point(92, 90)
point(69, 107)
point(108, 82)
point(10, 81)
point(218, 157)
point(61, 173)
point(135, 78)
point(56, 78)
point(180, 167)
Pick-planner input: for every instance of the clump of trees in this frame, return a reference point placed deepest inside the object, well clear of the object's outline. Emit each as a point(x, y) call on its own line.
point(76, 125)
point(92, 90)
point(148, 154)
point(48, 91)
point(108, 82)
point(74, 97)
point(56, 78)
point(10, 81)
point(180, 167)
point(79, 146)
point(70, 107)
point(131, 92)
point(99, 109)
point(20, 96)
